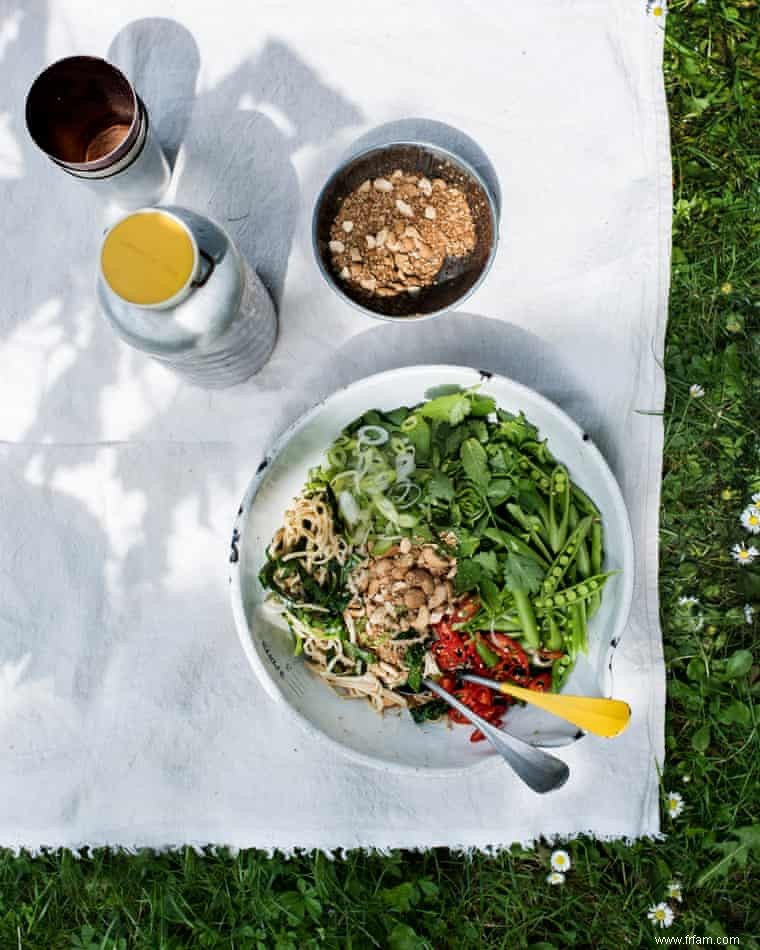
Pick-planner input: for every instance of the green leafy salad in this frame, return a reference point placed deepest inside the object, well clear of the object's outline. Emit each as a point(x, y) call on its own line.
point(433, 540)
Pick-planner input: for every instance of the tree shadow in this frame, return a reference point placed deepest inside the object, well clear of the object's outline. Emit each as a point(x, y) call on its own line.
point(162, 60)
point(239, 152)
point(98, 582)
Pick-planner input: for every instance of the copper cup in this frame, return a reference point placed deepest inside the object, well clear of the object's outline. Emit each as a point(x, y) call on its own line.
point(86, 117)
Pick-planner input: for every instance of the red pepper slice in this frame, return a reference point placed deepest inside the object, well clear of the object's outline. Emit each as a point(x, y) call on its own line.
point(510, 649)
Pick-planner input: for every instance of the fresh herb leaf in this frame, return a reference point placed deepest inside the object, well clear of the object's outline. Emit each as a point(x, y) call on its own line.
point(430, 711)
point(468, 576)
point(440, 486)
point(522, 575)
point(406, 635)
point(490, 594)
point(499, 490)
point(487, 560)
point(359, 653)
point(482, 405)
point(478, 430)
point(417, 431)
point(415, 660)
point(475, 463)
point(397, 416)
point(516, 429)
point(451, 439)
point(452, 409)
point(467, 544)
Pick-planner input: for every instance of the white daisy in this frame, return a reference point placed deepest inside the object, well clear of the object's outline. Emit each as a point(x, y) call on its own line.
point(673, 891)
point(749, 613)
point(661, 915)
point(688, 601)
point(743, 554)
point(556, 877)
point(560, 861)
point(696, 391)
point(750, 519)
point(674, 804)
point(756, 498)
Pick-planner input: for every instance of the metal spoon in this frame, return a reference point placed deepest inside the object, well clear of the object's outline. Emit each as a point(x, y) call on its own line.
point(539, 770)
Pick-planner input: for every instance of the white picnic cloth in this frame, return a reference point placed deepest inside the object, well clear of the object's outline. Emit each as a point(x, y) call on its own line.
point(128, 713)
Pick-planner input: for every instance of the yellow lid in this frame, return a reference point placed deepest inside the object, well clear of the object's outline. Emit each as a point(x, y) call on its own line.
point(148, 258)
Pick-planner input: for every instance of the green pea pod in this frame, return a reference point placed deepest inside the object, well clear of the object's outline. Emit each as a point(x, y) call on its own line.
point(577, 630)
point(596, 547)
point(562, 599)
point(511, 543)
point(527, 619)
point(534, 527)
point(559, 508)
point(584, 503)
point(554, 640)
point(566, 557)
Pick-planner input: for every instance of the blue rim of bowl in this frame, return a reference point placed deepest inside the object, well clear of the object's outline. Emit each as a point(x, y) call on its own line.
point(266, 676)
point(450, 156)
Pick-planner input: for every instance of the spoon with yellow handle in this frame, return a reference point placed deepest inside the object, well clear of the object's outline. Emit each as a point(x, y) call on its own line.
point(603, 717)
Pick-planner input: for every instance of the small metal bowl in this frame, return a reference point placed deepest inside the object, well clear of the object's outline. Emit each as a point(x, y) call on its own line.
point(459, 276)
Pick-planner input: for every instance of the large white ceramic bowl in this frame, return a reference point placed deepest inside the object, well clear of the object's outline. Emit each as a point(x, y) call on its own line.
point(394, 741)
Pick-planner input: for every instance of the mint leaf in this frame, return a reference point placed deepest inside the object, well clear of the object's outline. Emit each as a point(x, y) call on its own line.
point(475, 463)
point(522, 575)
point(452, 409)
point(440, 486)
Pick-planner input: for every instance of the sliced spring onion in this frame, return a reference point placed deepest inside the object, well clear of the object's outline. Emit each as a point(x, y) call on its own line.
point(336, 456)
point(386, 508)
point(405, 464)
point(376, 482)
point(348, 507)
point(372, 435)
point(405, 494)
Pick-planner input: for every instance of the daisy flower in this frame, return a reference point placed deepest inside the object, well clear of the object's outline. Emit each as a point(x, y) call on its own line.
point(661, 915)
point(750, 519)
point(673, 891)
point(560, 861)
point(673, 804)
point(756, 498)
point(743, 554)
point(696, 391)
point(749, 613)
point(688, 601)
point(556, 877)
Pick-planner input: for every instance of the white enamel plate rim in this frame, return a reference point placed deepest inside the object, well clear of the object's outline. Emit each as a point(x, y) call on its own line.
point(430, 376)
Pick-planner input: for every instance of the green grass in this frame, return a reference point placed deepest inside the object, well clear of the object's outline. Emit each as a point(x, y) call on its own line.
point(712, 465)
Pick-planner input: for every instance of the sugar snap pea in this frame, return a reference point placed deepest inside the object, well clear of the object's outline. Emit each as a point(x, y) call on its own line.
point(566, 557)
point(559, 508)
point(570, 595)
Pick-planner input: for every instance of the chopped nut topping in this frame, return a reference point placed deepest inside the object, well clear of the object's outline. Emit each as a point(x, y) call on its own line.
point(397, 256)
